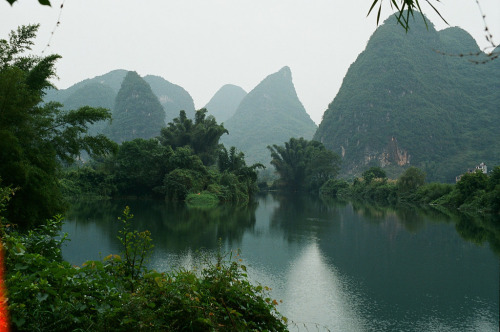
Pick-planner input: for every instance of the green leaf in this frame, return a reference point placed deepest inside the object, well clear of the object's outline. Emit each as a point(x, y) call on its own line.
point(42, 2)
point(42, 297)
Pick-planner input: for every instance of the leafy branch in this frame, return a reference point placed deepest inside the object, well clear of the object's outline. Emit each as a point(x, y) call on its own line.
point(404, 17)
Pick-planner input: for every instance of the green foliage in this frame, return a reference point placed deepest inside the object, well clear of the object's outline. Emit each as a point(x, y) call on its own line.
point(147, 168)
point(373, 173)
point(333, 188)
point(140, 166)
point(303, 165)
point(470, 183)
point(181, 182)
point(234, 162)
point(411, 180)
point(137, 248)
point(430, 192)
point(202, 200)
point(474, 193)
point(35, 138)
point(89, 181)
point(120, 294)
point(202, 135)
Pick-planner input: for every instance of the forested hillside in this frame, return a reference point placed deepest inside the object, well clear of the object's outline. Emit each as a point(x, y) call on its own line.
point(101, 91)
point(172, 97)
point(403, 103)
point(225, 102)
point(137, 111)
point(270, 114)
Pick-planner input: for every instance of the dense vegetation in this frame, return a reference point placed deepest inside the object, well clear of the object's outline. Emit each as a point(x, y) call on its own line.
point(186, 159)
point(303, 165)
point(36, 139)
point(38, 145)
point(120, 293)
point(402, 104)
point(474, 193)
point(269, 114)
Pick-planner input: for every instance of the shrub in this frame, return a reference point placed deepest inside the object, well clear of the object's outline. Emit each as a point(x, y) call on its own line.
point(432, 191)
point(47, 294)
point(332, 187)
point(203, 199)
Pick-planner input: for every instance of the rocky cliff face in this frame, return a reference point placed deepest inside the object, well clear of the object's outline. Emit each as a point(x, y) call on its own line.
point(404, 103)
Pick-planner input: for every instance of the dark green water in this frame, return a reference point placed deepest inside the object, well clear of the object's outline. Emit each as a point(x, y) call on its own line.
point(340, 267)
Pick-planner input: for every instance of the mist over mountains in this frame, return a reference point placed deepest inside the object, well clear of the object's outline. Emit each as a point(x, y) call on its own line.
point(226, 100)
point(102, 90)
point(402, 103)
point(269, 114)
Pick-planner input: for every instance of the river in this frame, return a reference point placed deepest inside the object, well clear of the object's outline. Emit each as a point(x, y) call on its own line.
point(335, 266)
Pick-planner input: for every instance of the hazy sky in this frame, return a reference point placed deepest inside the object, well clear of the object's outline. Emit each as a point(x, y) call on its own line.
point(204, 44)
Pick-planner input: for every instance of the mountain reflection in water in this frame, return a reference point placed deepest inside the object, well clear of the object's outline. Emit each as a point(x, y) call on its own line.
point(337, 266)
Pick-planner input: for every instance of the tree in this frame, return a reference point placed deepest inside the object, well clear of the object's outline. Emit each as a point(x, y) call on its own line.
point(411, 180)
point(323, 165)
point(140, 166)
point(202, 135)
point(234, 162)
point(303, 164)
point(470, 183)
point(36, 138)
point(372, 173)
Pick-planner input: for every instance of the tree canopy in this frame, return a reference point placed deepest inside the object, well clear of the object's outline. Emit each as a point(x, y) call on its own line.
point(303, 164)
point(35, 138)
point(202, 135)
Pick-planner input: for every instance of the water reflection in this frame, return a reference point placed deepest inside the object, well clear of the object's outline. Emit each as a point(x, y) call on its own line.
point(346, 266)
point(333, 301)
point(174, 227)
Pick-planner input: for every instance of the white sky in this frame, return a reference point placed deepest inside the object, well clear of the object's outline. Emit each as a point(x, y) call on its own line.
point(204, 44)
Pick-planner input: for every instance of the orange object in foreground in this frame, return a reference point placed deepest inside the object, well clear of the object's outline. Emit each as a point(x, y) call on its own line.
point(4, 317)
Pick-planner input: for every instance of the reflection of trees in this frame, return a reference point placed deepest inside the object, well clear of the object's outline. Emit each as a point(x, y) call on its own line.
point(371, 212)
point(201, 228)
point(300, 214)
point(474, 228)
point(480, 229)
point(173, 226)
point(412, 217)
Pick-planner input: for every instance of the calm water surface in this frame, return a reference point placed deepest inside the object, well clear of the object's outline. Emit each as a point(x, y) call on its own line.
point(338, 267)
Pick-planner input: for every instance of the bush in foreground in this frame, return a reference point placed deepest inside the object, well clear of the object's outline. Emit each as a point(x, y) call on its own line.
point(120, 294)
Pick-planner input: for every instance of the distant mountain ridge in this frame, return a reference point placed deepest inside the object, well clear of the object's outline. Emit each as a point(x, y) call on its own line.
point(402, 104)
point(225, 102)
point(172, 97)
point(137, 111)
point(269, 114)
